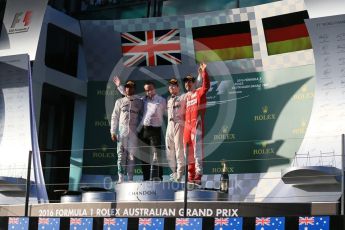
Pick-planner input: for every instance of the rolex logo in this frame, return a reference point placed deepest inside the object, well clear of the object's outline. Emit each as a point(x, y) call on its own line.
point(304, 93)
point(264, 144)
point(263, 149)
point(104, 148)
point(265, 115)
point(102, 123)
point(301, 129)
point(106, 92)
point(225, 129)
point(304, 89)
point(103, 153)
point(264, 109)
point(224, 134)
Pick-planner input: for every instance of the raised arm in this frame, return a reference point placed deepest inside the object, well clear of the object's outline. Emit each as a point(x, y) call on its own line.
point(198, 82)
point(205, 86)
point(117, 83)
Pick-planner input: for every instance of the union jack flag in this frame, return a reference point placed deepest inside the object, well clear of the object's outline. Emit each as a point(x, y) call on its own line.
point(145, 221)
point(13, 220)
point(43, 221)
point(18, 223)
point(75, 221)
point(151, 48)
point(262, 221)
point(109, 221)
point(306, 220)
point(182, 221)
point(221, 221)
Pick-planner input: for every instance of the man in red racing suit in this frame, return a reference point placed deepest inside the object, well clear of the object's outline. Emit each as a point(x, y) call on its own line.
point(194, 124)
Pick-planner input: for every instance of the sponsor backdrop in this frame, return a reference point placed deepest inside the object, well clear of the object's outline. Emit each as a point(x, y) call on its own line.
point(261, 72)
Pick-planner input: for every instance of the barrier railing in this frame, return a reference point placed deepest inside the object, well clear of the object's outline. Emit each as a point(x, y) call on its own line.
point(326, 159)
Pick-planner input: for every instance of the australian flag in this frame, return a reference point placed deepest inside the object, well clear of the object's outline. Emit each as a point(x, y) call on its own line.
point(313, 223)
point(228, 223)
point(80, 224)
point(151, 48)
point(188, 224)
point(151, 223)
point(18, 223)
point(269, 223)
point(49, 223)
point(115, 223)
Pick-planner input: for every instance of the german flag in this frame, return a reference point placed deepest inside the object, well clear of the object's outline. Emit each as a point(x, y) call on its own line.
point(286, 33)
point(223, 42)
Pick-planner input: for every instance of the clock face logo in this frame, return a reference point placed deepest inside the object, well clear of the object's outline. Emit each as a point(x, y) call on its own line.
point(263, 144)
point(264, 109)
point(304, 89)
point(225, 129)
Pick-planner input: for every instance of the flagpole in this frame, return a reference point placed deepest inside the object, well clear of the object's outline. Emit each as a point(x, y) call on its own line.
point(185, 182)
point(27, 192)
point(342, 174)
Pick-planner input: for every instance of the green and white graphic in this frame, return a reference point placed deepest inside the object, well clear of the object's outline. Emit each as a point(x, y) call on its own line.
point(257, 121)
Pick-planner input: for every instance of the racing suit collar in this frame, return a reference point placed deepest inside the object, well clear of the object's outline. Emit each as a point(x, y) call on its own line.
point(154, 96)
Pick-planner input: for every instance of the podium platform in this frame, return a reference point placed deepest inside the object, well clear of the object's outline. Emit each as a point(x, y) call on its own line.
point(147, 191)
point(201, 195)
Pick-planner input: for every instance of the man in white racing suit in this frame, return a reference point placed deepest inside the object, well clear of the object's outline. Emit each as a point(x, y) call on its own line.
point(176, 107)
point(124, 122)
point(154, 107)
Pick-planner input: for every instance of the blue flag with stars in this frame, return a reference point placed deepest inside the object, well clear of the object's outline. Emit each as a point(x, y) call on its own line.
point(115, 223)
point(80, 223)
point(234, 223)
point(151, 223)
point(269, 223)
point(313, 223)
point(188, 224)
point(49, 223)
point(18, 223)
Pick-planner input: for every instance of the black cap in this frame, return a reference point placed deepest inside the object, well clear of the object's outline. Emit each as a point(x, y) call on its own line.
point(189, 78)
point(173, 81)
point(130, 83)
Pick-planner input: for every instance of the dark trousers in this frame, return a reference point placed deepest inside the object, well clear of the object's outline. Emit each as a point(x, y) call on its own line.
point(151, 137)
